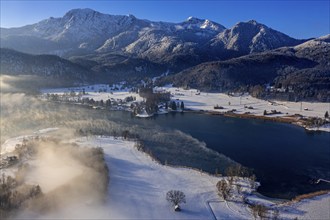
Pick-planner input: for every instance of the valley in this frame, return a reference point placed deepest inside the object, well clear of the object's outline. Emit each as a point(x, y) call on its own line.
point(109, 116)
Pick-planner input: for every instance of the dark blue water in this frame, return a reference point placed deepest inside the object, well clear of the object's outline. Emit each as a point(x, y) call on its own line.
point(284, 157)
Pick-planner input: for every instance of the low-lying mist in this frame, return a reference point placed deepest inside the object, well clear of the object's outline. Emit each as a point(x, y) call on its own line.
point(21, 114)
point(30, 84)
point(68, 174)
point(52, 175)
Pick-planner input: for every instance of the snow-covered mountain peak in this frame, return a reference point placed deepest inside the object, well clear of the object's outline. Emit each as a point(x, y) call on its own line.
point(192, 19)
point(82, 27)
point(80, 12)
point(251, 27)
point(250, 23)
point(82, 15)
point(85, 31)
point(88, 15)
point(254, 22)
point(193, 23)
point(252, 36)
point(131, 16)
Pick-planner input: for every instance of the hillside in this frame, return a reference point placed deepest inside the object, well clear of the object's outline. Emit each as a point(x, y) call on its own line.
point(300, 72)
point(42, 70)
point(112, 68)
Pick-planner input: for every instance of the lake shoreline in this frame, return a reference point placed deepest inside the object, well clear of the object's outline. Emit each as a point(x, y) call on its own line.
point(287, 120)
point(291, 119)
point(304, 114)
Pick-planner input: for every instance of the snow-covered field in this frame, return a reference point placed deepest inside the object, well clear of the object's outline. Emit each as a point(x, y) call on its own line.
point(138, 186)
point(201, 101)
point(196, 100)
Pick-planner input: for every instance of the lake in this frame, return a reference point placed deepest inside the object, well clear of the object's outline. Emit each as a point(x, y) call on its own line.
point(284, 157)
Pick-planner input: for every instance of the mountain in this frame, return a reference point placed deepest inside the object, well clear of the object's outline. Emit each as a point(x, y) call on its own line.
point(96, 47)
point(300, 72)
point(89, 30)
point(250, 37)
point(83, 32)
point(79, 30)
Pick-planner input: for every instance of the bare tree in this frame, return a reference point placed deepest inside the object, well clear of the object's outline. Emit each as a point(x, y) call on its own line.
point(175, 197)
point(224, 189)
point(259, 210)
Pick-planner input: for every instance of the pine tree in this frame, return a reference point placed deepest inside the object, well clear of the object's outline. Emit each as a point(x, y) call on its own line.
point(326, 115)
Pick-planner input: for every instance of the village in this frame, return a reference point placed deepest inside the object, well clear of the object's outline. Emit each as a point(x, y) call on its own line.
point(145, 102)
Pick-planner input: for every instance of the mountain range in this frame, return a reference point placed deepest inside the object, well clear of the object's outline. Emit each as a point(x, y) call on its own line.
point(102, 47)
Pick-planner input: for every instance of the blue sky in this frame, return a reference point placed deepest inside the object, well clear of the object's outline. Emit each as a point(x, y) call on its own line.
point(297, 18)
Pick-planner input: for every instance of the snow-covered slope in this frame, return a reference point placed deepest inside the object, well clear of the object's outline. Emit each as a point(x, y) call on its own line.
point(89, 30)
point(317, 50)
point(76, 28)
point(251, 36)
point(82, 31)
point(196, 23)
point(324, 40)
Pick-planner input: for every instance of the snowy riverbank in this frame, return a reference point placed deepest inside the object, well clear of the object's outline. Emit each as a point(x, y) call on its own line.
point(138, 187)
